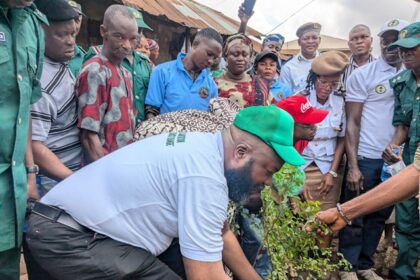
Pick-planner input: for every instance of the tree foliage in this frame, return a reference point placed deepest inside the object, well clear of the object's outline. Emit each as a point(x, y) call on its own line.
point(293, 249)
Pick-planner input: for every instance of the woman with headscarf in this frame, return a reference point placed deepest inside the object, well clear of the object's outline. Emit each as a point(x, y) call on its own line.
point(324, 153)
point(234, 83)
point(154, 51)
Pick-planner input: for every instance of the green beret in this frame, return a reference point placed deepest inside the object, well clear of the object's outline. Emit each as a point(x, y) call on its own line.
point(330, 63)
point(308, 27)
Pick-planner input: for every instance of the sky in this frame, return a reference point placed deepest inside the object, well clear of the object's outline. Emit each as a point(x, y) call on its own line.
point(337, 17)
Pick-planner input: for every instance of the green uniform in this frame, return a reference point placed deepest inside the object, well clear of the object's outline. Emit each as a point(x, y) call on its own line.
point(75, 64)
point(21, 53)
point(407, 112)
point(140, 71)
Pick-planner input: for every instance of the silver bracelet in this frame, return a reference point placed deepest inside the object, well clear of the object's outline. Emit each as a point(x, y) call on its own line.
point(341, 213)
point(333, 173)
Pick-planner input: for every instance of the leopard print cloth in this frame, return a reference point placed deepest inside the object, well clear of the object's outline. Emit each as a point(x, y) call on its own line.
point(221, 114)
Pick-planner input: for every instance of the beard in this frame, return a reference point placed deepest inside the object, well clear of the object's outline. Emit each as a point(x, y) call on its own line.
point(239, 182)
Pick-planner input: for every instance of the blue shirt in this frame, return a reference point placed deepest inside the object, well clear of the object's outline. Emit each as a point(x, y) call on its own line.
point(172, 89)
point(279, 90)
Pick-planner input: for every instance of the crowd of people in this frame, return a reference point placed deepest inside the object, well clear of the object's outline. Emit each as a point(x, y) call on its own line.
point(116, 166)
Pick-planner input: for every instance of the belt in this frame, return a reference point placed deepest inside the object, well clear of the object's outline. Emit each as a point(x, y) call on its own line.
point(57, 215)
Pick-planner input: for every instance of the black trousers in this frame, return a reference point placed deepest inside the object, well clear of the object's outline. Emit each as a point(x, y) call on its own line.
point(62, 253)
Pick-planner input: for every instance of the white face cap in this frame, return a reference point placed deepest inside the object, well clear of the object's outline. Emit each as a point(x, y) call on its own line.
point(393, 24)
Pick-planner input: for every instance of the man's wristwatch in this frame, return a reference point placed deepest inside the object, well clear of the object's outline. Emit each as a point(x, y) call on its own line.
point(32, 169)
point(333, 173)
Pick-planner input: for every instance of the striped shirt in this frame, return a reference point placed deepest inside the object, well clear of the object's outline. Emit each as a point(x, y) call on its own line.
point(350, 68)
point(54, 117)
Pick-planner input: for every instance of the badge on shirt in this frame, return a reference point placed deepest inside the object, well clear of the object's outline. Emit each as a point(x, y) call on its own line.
point(380, 89)
point(393, 23)
point(2, 37)
point(203, 92)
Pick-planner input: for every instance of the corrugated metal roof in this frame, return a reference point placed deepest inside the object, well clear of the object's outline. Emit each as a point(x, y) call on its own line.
point(191, 14)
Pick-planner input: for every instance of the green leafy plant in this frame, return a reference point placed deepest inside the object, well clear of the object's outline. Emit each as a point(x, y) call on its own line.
point(292, 247)
point(232, 215)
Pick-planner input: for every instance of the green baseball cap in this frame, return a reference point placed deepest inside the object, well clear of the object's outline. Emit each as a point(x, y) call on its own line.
point(274, 127)
point(139, 19)
point(408, 37)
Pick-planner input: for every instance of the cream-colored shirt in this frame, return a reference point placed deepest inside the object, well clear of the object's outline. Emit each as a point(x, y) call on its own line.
point(321, 149)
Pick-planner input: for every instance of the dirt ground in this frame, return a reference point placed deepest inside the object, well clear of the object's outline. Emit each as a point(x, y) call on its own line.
point(23, 275)
point(385, 258)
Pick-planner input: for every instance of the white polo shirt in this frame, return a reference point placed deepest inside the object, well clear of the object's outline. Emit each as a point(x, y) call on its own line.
point(295, 72)
point(321, 149)
point(149, 192)
point(369, 85)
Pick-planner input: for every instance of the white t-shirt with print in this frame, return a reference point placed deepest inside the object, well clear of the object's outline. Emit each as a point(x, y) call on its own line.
point(151, 191)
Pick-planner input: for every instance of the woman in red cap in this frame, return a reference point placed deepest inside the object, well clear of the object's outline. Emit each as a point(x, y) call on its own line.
point(324, 153)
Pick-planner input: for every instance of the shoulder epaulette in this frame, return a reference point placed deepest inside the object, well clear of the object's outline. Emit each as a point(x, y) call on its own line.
point(39, 15)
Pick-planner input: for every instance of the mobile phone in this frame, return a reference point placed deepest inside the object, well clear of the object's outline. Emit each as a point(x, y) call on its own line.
point(249, 6)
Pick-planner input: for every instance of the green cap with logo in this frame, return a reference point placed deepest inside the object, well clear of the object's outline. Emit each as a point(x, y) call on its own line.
point(139, 19)
point(274, 127)
point(408, 37)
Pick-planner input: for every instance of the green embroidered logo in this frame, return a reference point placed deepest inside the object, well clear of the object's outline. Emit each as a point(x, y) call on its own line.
point(179, 137)
point(403, 33)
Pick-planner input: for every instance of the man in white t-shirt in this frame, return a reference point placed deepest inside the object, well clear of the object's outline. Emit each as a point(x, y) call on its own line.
point(369, 108)
point(112, 218)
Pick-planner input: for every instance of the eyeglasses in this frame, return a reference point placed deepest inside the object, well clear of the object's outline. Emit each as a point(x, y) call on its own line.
point(326, 84)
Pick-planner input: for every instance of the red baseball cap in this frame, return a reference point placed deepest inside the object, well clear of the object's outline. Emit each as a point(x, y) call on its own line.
point(301, 110)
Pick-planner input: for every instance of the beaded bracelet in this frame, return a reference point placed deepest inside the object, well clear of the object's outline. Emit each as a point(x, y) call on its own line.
point(340, 211)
